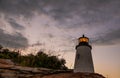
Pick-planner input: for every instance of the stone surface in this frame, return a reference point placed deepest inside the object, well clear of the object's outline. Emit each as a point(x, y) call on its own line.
point(74, 75)
point(9, 70)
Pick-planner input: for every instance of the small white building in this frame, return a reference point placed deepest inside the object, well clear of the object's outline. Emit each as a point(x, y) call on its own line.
point(83, 59)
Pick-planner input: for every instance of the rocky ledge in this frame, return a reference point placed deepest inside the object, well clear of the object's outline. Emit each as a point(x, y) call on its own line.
point(10, 70)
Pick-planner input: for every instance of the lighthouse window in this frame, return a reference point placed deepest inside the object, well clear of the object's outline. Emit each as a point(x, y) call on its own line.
point(83, 40)
point(78, 56)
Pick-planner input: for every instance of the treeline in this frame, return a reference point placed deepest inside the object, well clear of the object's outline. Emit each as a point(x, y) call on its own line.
point(41, 59)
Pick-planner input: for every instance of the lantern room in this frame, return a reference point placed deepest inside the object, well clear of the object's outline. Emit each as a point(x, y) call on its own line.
point(83, 39)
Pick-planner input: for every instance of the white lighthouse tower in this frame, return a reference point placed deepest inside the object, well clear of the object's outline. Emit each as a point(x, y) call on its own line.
point(83, 60)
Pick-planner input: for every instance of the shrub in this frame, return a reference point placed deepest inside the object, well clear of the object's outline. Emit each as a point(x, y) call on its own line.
point(41, 59)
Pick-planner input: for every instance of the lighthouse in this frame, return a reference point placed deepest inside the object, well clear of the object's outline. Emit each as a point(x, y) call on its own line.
point(83, 59)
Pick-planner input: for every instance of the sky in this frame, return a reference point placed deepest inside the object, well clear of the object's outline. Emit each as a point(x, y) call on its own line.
point(55, 25)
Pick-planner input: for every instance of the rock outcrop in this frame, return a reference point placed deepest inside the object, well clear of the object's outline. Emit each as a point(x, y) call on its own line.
point(10, 70)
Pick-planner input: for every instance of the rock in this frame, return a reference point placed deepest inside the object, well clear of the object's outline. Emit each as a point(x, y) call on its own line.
point(74, 75)
point(9, 70)
point(6, 61)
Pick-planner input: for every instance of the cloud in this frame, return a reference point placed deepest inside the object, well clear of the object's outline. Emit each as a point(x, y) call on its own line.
point(18, 7)
point(37, 44)
point(96, 16)
point(67, 13)
point(13, 41)
point(110, 38)
point(15, 25)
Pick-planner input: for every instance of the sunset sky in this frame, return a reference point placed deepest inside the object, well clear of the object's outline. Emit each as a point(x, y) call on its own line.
point(54, 26)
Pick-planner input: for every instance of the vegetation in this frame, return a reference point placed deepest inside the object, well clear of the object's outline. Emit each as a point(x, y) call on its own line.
point(41, 59)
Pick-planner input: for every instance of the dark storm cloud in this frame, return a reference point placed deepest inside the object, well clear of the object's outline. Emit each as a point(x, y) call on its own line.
point(112, 37)
point(19, 7)
point(15, 25)
point(37, 44)
point(90, 11)
point(13, 41)
point(89, 14)
point(70, 13)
